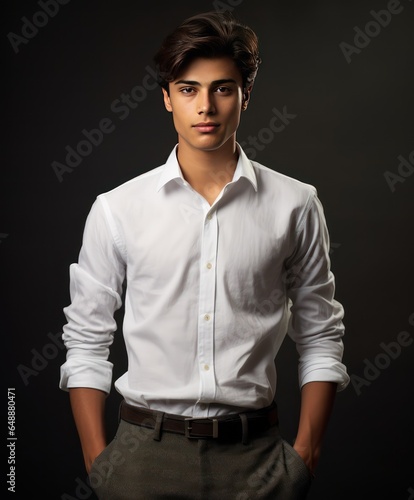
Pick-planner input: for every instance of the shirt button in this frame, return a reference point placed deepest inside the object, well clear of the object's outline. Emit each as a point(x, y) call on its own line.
point(203, 406)
point(206, 368)
point(209, 265)
point(209, 216)
point(206, 317)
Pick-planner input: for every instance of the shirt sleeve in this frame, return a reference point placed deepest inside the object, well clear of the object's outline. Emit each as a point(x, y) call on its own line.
point(95, 291)
point(316, 321)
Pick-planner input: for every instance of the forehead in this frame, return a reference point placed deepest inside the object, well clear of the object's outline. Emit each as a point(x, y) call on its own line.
point(205, 70)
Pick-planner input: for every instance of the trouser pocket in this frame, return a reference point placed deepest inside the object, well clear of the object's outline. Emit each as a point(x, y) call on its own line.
point(103, 468)
point(296, 465)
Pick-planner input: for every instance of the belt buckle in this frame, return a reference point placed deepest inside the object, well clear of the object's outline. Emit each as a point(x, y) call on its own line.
point(188, 427)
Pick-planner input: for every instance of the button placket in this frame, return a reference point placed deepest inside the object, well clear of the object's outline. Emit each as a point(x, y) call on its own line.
point(207, 307)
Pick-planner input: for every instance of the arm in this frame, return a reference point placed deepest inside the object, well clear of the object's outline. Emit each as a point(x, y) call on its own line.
point(88, 406)
point(317, 400)
point(317, 329)
point(95, 289)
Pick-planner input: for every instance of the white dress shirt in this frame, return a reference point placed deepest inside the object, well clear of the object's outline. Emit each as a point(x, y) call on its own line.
point(211, 291)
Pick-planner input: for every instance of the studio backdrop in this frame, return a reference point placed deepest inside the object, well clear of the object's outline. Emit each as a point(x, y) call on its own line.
point(332, 106)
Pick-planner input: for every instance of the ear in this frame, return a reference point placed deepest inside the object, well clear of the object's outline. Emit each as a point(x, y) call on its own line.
point(246, 97)
point(167, 101)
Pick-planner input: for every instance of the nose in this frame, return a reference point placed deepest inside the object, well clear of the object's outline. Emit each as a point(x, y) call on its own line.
point(205, 103)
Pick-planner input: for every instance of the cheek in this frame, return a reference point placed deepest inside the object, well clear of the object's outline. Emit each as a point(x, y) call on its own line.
point(233, 111)
point(179, 123)
point(183, 114)
point(234, 118)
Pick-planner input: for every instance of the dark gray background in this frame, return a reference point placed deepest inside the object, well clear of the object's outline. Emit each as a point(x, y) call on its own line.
point(353, 120)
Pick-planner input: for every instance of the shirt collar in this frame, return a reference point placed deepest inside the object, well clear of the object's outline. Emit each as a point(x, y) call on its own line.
point(172, 170)
point(244, 168)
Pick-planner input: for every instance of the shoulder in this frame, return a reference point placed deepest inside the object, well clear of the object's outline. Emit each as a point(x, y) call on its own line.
point(140, 187)
point(282, 187)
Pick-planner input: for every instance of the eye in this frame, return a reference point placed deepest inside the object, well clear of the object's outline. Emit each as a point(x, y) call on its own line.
point(187, 90)
point(223, 90)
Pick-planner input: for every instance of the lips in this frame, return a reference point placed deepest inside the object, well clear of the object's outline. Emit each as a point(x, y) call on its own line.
point(206, 126)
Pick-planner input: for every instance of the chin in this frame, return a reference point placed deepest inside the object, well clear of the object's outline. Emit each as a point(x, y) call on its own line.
point(209, 145)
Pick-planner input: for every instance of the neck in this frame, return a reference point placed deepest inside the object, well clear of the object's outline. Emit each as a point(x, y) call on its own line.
point(208, 172)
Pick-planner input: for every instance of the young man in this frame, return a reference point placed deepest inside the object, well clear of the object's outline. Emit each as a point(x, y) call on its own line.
point(222, 257)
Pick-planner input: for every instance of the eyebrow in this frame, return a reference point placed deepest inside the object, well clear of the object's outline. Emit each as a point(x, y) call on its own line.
point(215, 82)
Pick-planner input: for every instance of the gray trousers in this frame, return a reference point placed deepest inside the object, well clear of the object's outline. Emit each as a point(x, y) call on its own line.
point(134, 466)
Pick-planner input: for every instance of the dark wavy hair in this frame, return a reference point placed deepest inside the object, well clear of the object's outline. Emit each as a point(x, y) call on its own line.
point(209, 35)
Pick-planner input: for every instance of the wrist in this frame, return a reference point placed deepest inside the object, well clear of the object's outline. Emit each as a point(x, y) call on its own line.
point(308, 453)
point(90, 455)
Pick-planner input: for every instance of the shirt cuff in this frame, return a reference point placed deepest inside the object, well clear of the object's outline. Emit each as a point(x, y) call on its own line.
point(319, 372)
point(93, 374)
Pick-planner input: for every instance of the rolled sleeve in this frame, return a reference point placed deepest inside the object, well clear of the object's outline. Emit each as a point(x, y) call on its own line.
point(95, 292)
point(316, 322)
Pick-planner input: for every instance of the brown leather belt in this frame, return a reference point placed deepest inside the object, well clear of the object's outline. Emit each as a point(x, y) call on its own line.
point(222, 427)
